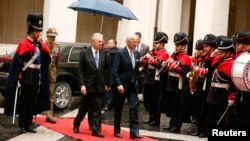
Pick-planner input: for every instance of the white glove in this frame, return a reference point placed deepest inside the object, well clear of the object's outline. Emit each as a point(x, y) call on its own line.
point(231, 102)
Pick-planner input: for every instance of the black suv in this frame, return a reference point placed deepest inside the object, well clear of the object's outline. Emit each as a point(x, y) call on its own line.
point(67, 77)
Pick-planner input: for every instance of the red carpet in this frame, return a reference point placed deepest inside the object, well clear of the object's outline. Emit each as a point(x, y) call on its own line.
point(65, 126)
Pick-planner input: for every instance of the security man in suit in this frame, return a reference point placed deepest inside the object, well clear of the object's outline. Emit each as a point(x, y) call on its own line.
point(93, 74)
point(126, 77)
point(109, 96)
point(143, 49)
point(54, 52)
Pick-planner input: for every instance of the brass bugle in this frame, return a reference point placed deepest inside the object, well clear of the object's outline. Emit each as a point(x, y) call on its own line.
point(163, 66)
point(145, 56)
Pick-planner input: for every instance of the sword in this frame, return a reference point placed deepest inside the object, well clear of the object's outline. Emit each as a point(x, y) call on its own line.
point(225, 111)
point(15, 102)
point(223, 115)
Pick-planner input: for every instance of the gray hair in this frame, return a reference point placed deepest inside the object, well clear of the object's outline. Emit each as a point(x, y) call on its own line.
point(96, 36)
point(131, 36)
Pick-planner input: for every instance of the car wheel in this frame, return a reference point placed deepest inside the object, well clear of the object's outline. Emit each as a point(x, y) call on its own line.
point(63, 94)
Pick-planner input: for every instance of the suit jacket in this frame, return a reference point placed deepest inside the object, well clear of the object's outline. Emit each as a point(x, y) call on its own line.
point(144, 49)
point(123, 72)
point(94, 79)
point(111, 53)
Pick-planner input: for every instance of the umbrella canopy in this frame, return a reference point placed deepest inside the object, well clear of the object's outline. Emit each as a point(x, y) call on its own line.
point(104, 7)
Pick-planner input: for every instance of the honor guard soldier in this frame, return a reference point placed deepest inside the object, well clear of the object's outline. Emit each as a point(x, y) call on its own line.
point(30, 68)
point(242, 42)
point(204, 70)
point(198, 88)
point(53, 67)
point(152, 90)
point(177, 85)
point(198, 54)
point(222, 91)
point(196, 61)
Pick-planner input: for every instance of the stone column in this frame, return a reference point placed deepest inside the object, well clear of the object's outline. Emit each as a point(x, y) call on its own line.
point(211, 16)
point(145, 12)
point(170, 20)
point(57, 14)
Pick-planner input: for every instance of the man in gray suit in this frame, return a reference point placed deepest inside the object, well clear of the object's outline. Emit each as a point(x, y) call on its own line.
point(143, 49)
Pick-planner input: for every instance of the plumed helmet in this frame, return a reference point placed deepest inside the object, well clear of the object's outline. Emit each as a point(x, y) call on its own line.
point(199, 44)
point(51, 32)
point(218, 39)
point(35, 22)
point(160, 37)
point(181, 38)
point(226, 44)
point(241, 37)
point(210, 39)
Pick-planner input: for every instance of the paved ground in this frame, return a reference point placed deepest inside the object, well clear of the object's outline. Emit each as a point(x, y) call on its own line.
point(9, 131)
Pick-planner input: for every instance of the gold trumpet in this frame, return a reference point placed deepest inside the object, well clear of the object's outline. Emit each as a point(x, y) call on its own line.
point(192, 75)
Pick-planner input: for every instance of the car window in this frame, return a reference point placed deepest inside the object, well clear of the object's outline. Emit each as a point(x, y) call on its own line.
point(74, 54)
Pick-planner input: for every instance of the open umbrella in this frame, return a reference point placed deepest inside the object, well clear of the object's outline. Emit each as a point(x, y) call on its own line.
point(104, 7)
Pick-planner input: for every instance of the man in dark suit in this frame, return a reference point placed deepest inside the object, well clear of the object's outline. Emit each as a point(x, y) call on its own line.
point(108, 99)
point(126, 76)
point(93, 80)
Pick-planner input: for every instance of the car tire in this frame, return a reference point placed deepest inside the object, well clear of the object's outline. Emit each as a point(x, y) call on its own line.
point(63, 95)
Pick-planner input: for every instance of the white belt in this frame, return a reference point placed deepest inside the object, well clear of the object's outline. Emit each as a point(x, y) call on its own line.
point(151, 67)
point(174, 74)
point(179, 77)
point(33, 66)
point(220, 85)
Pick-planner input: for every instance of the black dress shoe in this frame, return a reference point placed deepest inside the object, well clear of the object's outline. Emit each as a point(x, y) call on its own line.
point(76, 129)
point(100, 135)
point(175, 130)
point(22, 130)
point(195, 134)
point(50, 120)
point(148, 122)
point(118, 135)
point(136, 137)
point(30, 130)
point(106, 108)
point(202, 135)
point(167, 128)
point(154, 123)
